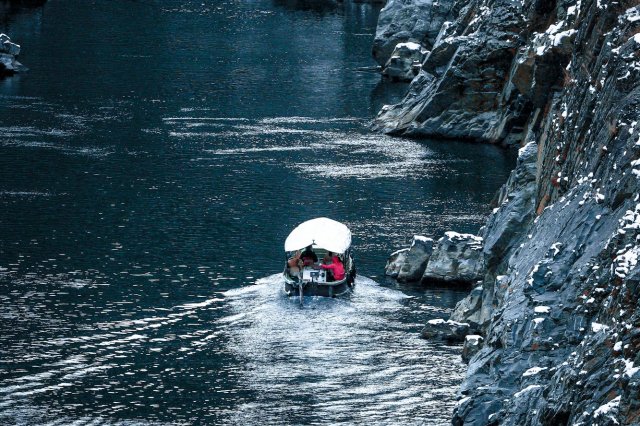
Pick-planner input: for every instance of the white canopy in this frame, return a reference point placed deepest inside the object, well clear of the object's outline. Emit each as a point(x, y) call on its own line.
point(321, 232)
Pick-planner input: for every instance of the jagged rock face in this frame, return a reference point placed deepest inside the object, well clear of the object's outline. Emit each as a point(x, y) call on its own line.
point(409, 264)
point(416, 21)
point(469, 310)
point(416, 259)
point(405, 62)
point(560, 297)
point(456, 258)
point(472, 344)
point(505, 230)
point(490, 73)
point(459, 93)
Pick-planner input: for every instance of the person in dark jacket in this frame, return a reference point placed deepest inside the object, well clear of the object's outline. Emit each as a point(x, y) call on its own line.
point(308, 256)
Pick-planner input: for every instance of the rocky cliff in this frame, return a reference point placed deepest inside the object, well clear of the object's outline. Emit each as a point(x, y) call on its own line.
point(558, 305)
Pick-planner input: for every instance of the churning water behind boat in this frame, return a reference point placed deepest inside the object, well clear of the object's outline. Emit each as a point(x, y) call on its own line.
point(343, 359)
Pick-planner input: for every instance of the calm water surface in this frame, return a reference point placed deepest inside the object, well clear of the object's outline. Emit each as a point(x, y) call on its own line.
point(152, 163)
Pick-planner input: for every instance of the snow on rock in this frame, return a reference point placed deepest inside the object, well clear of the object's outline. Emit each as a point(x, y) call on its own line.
point(607, 408)
point(542, 309)
point(526, 390)
point(597, 327)
point(629, 369)
point(533, 371)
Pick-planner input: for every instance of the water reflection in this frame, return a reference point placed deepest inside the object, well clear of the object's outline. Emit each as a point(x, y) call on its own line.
point(144, 201)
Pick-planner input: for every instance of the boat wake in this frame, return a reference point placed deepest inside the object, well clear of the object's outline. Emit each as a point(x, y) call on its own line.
point(355, 357)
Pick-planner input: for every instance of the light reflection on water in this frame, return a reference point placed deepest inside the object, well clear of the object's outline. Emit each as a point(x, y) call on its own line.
point(116, 316)
point(339, 359)
point(148, 180)
point(351, 359)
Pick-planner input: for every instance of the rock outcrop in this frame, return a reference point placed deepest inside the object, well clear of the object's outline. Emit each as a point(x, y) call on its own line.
point(395, 261)
point(8, 52)
point(409, 264)
point(417, 21)
point(558, 307)
point(446, 331)
point(490, 71)
point(454, 258)
point(405, 62)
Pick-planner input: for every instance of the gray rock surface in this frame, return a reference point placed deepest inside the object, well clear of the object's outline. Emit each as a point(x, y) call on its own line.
point(490, 69)
point(558, 306)
point(395, 262)
point(469, 309)
point(472, 345)
point(416, 259)
point(445, 330)
point(459, 91)
point(456, 258)
point(8, 52)
point(405, 62)
point(417, 21)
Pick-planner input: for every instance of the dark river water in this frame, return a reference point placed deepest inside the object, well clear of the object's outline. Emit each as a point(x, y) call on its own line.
point(152, 163)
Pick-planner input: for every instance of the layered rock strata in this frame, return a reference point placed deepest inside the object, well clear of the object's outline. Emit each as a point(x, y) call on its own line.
point(558, 303)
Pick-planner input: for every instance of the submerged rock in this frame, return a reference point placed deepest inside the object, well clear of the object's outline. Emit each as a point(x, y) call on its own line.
point(456, 258)
point(445, 330)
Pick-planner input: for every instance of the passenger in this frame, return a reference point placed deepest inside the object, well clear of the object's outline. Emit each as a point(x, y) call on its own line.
point(336, 268)
point(294, 263)
point(308, 257)
point(326, 260)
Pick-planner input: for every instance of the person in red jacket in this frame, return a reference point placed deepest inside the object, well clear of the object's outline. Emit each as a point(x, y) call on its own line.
point(336, 268)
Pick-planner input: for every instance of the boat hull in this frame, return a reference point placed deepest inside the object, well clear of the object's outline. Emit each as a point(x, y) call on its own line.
point(333, 289)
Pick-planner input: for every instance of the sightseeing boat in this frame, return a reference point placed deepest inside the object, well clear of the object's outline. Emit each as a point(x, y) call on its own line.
point(326, 239)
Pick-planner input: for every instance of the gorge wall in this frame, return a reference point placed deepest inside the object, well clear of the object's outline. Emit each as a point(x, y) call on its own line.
point(558, 305)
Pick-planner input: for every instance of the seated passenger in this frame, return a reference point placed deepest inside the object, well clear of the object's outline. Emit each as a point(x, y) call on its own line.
point(308, 257)
point(336, 268)
point(294, 263)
